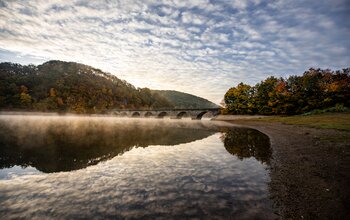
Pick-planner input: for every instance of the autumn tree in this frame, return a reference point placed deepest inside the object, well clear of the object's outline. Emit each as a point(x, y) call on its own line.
point(25, 98)
point(240, 99)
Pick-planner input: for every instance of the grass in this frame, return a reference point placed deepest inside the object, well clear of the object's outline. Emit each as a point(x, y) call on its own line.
point(339, 121)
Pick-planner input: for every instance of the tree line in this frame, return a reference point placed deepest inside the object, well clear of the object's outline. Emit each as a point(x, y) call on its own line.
point(315, 89)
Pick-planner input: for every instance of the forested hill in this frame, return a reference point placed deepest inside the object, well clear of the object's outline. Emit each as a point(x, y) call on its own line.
point(70, 87)
point(185, 100)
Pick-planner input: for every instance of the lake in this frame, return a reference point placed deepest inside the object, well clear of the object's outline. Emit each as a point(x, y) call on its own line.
point(115, 168)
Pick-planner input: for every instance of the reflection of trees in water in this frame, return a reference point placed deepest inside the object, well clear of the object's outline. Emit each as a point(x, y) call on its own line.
point(63, 146)
point(245, 143)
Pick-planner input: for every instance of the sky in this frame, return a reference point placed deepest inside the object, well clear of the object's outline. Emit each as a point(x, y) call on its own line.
point(202, 47)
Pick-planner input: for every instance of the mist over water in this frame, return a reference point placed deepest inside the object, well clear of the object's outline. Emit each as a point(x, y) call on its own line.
point(108, 167)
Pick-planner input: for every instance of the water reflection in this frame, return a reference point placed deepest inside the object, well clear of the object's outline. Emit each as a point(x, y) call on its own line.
point(178, 169)
point(64, 145)
point(246, 143)
point(59, 144)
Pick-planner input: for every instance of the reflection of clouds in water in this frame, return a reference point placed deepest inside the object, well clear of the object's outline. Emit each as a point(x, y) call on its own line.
point(197, 179)
point(9, 173)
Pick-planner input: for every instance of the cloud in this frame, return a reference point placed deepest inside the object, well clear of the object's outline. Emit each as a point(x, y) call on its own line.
point(201, 47)
point(190, 18)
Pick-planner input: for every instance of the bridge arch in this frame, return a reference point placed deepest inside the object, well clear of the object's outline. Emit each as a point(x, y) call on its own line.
point(148, 114)
point(208, 115)
point(123, 114)
point(181, 115)
point(136, 114)
point(200, 115)
point(162, 114)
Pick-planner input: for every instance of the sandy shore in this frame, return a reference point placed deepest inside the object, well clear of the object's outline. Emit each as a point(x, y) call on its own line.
point(310, 170)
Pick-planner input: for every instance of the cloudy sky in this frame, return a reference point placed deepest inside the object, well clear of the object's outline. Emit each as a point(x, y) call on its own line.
point(202, 47)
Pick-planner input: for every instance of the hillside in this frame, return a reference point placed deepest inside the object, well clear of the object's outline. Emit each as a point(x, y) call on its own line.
point(70, 87)
point(185, 100)
point(58, 86)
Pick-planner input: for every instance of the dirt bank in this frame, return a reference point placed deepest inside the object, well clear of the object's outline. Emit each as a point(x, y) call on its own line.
point(310, 170)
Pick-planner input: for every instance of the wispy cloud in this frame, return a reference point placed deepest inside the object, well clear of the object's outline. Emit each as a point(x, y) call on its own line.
point(201, 47)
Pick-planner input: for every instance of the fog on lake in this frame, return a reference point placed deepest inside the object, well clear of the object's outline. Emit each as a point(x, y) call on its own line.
point(109, 167)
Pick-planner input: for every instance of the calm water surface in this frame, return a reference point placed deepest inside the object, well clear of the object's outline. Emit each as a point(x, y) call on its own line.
point(65, 167)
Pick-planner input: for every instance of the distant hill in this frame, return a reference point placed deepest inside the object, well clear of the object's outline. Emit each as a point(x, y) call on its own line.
point(58, 86)
point(185, 100)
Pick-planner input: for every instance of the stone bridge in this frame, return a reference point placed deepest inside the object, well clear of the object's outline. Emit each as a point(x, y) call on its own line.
point(195, 114)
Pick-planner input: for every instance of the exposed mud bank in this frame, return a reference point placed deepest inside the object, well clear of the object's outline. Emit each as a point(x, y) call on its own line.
point(310, 170)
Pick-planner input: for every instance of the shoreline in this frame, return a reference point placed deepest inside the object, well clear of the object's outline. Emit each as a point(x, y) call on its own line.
point(237, 117)
point(309, 169)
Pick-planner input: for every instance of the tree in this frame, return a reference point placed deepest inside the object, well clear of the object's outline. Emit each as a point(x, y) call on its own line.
point(238, 99)
point(26, 99)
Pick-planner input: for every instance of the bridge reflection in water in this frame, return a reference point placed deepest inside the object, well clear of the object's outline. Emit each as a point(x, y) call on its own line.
point(195, 114)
